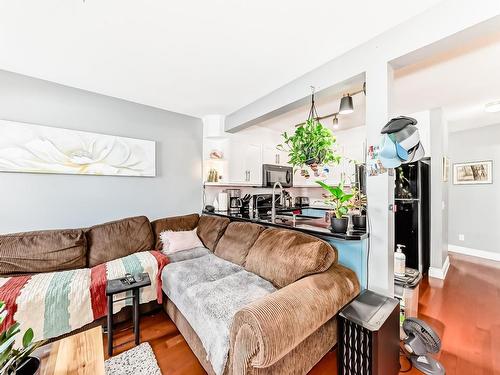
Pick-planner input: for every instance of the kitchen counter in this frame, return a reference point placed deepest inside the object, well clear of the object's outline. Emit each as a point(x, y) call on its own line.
point(314, 226)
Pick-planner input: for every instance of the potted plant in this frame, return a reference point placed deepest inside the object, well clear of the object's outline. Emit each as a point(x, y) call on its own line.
point(17, 361)
point(358, 202)
point(340, 200)
point(311, 145)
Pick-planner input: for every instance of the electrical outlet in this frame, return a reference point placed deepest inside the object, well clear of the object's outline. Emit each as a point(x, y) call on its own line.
point(461, 237)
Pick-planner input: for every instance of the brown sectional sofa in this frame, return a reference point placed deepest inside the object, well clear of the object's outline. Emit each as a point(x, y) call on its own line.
point(291, 329)
point(285, 332)
point(67, 249)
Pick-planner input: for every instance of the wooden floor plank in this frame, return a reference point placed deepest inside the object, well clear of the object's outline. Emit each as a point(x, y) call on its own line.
point(464, 310)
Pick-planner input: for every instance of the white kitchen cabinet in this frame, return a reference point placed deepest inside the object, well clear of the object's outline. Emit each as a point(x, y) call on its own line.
point(271, 155)
point(245, 163)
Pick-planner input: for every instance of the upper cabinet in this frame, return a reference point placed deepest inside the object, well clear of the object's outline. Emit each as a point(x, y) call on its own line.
point(271, 155)
point(245, 163)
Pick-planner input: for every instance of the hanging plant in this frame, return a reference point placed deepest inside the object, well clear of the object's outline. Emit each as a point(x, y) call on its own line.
point(311, 145)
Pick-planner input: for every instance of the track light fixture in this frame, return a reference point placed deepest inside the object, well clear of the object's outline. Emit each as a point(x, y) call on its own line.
point(346, 105)
point(335, 122)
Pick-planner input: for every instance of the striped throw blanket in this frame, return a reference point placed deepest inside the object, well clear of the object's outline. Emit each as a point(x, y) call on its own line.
point(56, 303)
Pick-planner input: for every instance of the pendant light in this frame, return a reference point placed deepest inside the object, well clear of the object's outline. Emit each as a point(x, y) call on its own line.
point(346, 105)
point(335, 122)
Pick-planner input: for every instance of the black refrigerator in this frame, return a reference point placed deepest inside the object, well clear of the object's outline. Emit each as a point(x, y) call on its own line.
point(412, 217)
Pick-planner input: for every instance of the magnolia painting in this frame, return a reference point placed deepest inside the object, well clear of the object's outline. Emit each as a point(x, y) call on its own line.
point(43, 149)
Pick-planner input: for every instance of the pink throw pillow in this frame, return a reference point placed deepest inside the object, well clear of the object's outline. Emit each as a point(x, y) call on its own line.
point(179, 240)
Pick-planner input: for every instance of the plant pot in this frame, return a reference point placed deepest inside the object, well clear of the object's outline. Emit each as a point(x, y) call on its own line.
point(311, 161)
point(359, 221)
point(339, 225)
point(30, 366)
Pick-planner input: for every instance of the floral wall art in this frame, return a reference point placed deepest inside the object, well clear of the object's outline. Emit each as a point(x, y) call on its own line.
point(43, 149)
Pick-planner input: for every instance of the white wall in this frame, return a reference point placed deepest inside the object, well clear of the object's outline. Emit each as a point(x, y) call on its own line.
point(43, 201)
point(439, 193)
point(475, 209)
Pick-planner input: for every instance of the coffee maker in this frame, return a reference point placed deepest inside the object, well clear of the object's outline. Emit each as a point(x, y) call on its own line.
point(235, 202)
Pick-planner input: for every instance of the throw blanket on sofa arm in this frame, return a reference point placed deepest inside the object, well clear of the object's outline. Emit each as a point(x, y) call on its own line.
point(56, 303)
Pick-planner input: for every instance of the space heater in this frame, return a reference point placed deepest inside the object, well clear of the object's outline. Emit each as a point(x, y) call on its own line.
point(368, 336)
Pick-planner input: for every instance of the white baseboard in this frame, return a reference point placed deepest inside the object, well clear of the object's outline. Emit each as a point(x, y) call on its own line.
point(474, 252)
point(440, 273)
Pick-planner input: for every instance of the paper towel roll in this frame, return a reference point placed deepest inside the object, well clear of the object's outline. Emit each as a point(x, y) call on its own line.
point(223, 202)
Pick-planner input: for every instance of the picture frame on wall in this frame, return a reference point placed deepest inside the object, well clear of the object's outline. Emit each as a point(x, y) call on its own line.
point(32, 148)
point(473, 173)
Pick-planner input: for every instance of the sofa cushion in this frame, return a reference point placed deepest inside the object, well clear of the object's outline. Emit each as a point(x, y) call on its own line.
point(208, 291)
point(284, 256)
point(174, 241)
point(175, 223)
point(42, 251)
point(210, 230)
point(119, 238)
point(183, 255)
point(237, 240)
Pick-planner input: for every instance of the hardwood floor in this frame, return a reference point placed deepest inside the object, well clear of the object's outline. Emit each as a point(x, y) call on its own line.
point(464, 310)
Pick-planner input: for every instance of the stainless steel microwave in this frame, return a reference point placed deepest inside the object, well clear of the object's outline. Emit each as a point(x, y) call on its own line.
point(274, 173)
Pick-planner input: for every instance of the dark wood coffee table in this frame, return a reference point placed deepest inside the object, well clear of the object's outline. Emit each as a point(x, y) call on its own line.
point(118, 286)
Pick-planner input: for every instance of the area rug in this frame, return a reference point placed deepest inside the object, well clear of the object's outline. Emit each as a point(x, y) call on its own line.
point(137, 361)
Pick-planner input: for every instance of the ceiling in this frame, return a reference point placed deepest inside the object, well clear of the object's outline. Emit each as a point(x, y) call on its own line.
point(194, 57)
point(461, 81)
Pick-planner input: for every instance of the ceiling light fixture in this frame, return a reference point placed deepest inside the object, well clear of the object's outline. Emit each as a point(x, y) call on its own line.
point(335, 122)
point(346, 105)
point(492, 107)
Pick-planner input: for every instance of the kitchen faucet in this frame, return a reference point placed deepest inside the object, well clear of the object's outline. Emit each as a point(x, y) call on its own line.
point(256, 208)
point(273, 205)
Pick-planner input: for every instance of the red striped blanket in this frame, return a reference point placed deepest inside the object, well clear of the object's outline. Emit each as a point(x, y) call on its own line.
point(56, 303)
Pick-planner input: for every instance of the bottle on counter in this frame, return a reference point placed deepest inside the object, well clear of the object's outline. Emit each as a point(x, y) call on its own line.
point(399, 261)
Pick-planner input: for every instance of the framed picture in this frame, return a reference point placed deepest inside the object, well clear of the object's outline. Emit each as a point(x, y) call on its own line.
point(30, 148)
point(473, 173)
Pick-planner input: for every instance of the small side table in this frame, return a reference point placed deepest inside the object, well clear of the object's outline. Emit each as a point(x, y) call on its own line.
point(118, 286)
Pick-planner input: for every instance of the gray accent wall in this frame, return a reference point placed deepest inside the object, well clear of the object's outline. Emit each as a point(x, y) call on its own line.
point(475, 209)
point(48, 201)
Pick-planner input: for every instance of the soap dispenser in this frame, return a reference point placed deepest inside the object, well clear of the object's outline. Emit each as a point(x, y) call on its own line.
point(399, 261)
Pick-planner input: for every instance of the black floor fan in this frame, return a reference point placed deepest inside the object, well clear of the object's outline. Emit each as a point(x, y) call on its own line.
point(420, 341)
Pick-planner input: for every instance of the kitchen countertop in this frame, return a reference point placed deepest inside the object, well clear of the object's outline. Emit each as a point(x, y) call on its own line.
point(313, 226)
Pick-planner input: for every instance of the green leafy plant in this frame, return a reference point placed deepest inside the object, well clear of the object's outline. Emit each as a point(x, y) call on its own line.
point(10, 358)
point(337, 198)
point(311, 144)
point(358, 200)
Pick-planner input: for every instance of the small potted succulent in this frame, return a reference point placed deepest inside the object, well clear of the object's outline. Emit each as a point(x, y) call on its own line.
point(311, 145)
point(17, 361)
point(340, 200)
point(358, 203)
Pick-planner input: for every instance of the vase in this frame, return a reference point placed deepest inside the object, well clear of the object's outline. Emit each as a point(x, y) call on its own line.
point(359, 221)
point(30, 366)
point(339, 225)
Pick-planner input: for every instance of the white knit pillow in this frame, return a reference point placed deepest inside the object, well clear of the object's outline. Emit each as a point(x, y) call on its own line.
point(180, 240)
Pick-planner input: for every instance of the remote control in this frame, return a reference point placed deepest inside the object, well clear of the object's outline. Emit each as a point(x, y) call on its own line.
point(130, 279)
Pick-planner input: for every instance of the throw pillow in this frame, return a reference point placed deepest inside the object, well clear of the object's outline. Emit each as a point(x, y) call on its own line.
point(174, 241)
